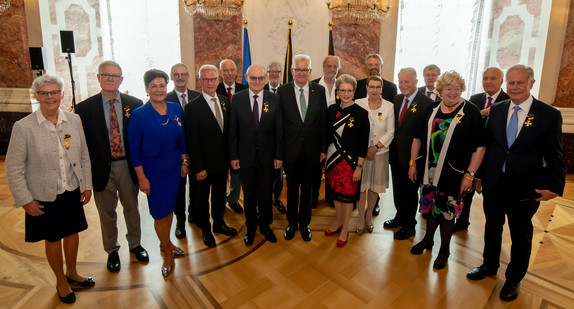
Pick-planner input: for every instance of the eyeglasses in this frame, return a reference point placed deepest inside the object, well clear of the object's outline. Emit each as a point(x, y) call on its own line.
point(177, 75)
point(346, 90)
point(274, 71)
point(43, 94)
point(113, 76)
point(257, 78)
point(213, 80)
point(375, 87)
point(301, 70)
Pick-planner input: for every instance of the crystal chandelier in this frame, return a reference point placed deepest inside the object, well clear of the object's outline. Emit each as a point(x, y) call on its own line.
point(4, 5)
point(358, 11)
point(214, 9)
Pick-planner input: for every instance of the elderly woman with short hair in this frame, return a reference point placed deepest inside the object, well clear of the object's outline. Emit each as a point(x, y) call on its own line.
point(445, 155)
point(159, 157)
point(348, 142)
point(49, 174)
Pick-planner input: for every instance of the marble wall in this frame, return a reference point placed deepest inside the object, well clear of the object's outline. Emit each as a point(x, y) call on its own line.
point(564, 88)
point(353, 43)
point(15, 63)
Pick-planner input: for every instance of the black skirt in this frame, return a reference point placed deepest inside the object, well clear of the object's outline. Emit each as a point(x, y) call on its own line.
point(62, 217)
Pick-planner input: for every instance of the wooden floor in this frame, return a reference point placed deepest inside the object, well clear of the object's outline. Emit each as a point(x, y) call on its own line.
point(372, 271)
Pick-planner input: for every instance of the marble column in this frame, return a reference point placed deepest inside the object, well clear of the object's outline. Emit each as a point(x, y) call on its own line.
point(353, 43)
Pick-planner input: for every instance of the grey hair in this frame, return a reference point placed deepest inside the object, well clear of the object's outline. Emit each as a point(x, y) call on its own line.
point(207, 67)
point(374, 56)
point(253, 66)
point(528, 70)
point(334, 57)
point(302, 57)
point(432, 67)
point(178, 65)
point(409, 70)
point(346, 79)
point(274, 64)
point(222, 61)
point(39, 82)
point(109, 62)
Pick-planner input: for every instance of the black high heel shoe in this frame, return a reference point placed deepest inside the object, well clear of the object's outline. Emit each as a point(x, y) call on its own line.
point(88, 283)
point(68, 299)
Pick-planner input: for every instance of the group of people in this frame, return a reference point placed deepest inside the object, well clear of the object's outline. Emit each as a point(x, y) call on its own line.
point(435, 142)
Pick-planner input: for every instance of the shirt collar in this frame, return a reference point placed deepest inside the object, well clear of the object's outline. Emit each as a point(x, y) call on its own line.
point(208, 98)
point(61, 117)
point(494, 96)
point(525, 106)
point(116, 99)
point(305, 88)
point(232, 86)
point(259, 95)
point(180, 93)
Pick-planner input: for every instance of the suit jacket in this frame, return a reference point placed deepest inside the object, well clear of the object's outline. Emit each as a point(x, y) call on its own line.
point(91, 111)
point(479, 99)
point(310, 135)
point(423, 90)
point(534, 161)
point(400, 149)
point(32, 158)
point(172, 96)
point(389, 90)
point(206, 143)
point(246, 140)
point(222, 91)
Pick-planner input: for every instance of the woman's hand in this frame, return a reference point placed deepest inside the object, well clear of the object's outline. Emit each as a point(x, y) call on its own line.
point(371, 151)
point(465, 185)
point(144, 185)
point(33, 209)
point(86, 196)
point(357, 174)
point(184, 170)
point(201, 175)
point(413, 173)
point(477, 185)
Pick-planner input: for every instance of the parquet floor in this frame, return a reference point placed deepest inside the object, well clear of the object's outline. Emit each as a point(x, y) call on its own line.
point(372, 271)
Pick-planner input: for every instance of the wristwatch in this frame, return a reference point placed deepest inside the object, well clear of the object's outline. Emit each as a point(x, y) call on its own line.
point(360, 166)
point(471, 174)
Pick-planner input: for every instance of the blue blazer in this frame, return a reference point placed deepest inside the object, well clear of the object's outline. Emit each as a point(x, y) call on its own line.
point(143, 132)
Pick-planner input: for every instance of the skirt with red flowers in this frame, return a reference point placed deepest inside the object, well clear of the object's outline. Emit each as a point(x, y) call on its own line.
point(340, 184)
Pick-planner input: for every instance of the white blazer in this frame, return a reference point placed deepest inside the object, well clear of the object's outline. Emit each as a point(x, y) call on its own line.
point(382, 123)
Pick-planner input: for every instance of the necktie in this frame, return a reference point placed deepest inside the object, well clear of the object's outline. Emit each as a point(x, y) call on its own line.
point(274, 90)
point(183, 100)
point(511, 131)
point(255, 111)
point(217, 114)
point(115, 137)
point(403, 111)
point(489, 103)
point(429, 94)
point(303, 103)
point(229, 93)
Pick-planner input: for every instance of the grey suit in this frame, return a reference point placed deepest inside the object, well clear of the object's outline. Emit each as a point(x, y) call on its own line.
point(32, 158)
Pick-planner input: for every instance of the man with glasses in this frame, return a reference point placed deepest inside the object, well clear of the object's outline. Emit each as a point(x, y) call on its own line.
point(256, 149)
point(228, 87)
point(182, 95)
point(305, 131)
point(274, 75)
point(105, 118)
point(206, 121)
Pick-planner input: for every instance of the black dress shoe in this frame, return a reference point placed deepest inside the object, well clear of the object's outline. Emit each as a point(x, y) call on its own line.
point(440, 261)
point(280, 206)
point(391, 224)
point(421, 246)
point(224, 229)
point(509, 291)
point(404, 233)
point(376, 210)
point(236, 207)
point(180, 231)
point(208, 239)
point(268, 233)
point(88, 283)
point(306, 233)
point(249, 236)
point(141, 254)
point(290, 231)
point(480, 272)
point(114, 262)
point(68, 299)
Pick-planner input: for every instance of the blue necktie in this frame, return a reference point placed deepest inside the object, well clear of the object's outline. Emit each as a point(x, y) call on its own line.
point(511, 130)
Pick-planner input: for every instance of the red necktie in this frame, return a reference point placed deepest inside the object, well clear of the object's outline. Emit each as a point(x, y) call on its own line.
point(115, 138)
point(229, 93)
point(403, 111)
point(489, 103)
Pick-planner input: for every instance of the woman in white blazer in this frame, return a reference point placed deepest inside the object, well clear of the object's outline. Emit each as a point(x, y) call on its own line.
point(48, 173)
point(376, 169)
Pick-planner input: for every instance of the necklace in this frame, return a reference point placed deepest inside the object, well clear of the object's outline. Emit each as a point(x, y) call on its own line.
point(163, 124)
point(450, 108)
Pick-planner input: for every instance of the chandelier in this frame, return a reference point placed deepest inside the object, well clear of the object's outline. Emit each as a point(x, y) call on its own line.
point(214, 9)
point(358, 11)
point(4, 5)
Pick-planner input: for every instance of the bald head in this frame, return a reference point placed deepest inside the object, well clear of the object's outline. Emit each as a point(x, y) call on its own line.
point(228, 71)
point(492, 79)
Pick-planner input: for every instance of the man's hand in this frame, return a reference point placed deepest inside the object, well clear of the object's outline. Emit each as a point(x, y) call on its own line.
point(277, 164)
point(477, 185)
point(201, 175)
point(235, 164)
point(545, 195)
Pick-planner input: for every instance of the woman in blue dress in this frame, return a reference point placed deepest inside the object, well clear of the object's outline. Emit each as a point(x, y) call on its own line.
point(157, 150)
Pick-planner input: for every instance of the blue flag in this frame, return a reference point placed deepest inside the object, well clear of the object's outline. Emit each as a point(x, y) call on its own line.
point(246, 55)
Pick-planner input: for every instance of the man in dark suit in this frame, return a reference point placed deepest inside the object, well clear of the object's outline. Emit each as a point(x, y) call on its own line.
point(374, 64)
point(113, 175)
point(206, 121)
point(180, 94)
point(304, 126)
point(256, 149)
point(522, 166)
point(430, 74)
point(409, 108)
point(228, 87)
point(274, 75)
point(492, 79)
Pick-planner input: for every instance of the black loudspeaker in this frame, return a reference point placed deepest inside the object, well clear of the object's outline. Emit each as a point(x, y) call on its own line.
point(38, 58)
point(67, 41)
